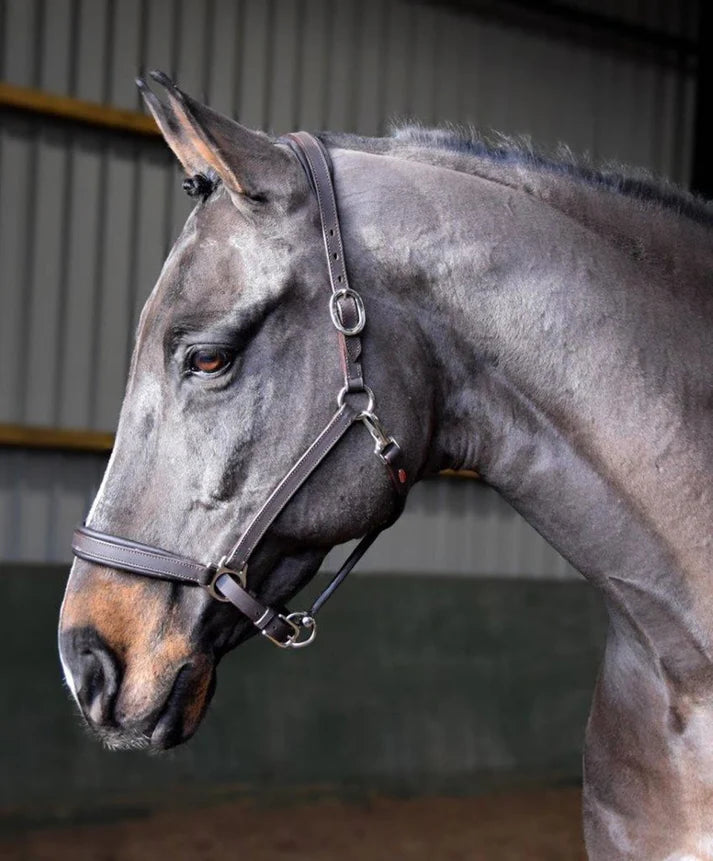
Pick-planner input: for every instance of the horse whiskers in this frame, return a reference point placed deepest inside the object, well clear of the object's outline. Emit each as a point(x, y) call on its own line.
point(113, 739)
point(140, 742)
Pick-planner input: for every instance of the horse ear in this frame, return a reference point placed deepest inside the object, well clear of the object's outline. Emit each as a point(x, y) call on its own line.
point(204, 141)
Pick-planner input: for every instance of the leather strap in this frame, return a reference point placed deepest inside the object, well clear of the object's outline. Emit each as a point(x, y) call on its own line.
point(127, 555)
point(339, 424)
point(347, 566)
point(268, 621)
point(347, 304)
point(94, 546)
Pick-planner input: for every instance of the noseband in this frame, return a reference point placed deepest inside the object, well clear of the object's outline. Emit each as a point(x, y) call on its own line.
point(227, 580)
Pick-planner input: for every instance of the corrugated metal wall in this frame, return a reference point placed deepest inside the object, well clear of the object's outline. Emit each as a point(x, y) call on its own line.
point(87, 216)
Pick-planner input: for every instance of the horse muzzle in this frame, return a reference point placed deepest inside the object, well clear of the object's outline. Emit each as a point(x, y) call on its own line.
point(130, 707)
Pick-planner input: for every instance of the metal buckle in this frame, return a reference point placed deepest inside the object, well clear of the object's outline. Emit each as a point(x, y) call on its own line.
point(299, 621)
point(222, 568)
point(334, 313)
point(382, 440)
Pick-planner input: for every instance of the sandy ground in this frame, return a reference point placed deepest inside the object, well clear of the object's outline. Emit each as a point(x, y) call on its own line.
point(542, 825)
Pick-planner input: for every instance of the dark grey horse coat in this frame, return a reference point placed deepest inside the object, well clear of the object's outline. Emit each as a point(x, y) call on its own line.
point(545, 325)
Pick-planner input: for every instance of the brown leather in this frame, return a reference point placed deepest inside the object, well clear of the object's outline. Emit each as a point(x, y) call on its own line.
point(318, 162)
point(220, 580)
point(338, 425)
point(267, 620)
point(138, 558)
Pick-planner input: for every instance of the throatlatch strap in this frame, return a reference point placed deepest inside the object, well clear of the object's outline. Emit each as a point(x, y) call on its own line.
point(347, 566)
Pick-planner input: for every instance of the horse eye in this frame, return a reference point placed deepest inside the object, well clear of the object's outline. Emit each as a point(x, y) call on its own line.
point(209, 361)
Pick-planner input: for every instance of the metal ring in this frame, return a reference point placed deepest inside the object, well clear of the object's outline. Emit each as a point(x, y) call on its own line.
point(304, 622)
point(363, 391)
point(221, 568)
point(347, 293)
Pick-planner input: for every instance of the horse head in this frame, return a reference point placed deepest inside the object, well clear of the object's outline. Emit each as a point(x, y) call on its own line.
point(235, 370)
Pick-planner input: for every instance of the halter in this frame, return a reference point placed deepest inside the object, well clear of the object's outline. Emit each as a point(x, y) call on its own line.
point(227, 580)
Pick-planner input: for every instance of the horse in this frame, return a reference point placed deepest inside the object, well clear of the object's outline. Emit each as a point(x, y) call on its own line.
point(541, 321)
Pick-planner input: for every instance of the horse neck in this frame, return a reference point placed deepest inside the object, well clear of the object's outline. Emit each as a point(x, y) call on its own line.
point(572, 368)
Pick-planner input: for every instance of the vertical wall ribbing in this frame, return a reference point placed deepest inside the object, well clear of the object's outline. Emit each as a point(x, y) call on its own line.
point(87, 217)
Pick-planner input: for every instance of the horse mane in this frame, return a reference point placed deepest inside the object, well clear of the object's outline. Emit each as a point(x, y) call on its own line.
point(636, 183)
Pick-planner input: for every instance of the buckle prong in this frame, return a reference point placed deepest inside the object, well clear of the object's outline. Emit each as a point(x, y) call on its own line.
point(298, 621)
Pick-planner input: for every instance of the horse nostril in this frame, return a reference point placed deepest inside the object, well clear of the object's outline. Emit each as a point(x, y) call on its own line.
point(95, 673)
point(95, 687)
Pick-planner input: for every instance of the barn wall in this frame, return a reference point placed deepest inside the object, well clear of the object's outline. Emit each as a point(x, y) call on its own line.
point(87, 216)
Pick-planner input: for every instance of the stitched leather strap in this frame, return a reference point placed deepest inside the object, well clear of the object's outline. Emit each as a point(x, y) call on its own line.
point(127, 555)
point(339, 424)
point(94, 546)
point(348, 309)
point(348, 306)
point(267, 620)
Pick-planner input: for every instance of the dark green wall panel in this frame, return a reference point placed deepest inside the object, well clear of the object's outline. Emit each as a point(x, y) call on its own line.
point(415, 685)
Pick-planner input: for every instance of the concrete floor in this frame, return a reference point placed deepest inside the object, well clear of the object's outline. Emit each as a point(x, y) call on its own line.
point(532, 825)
